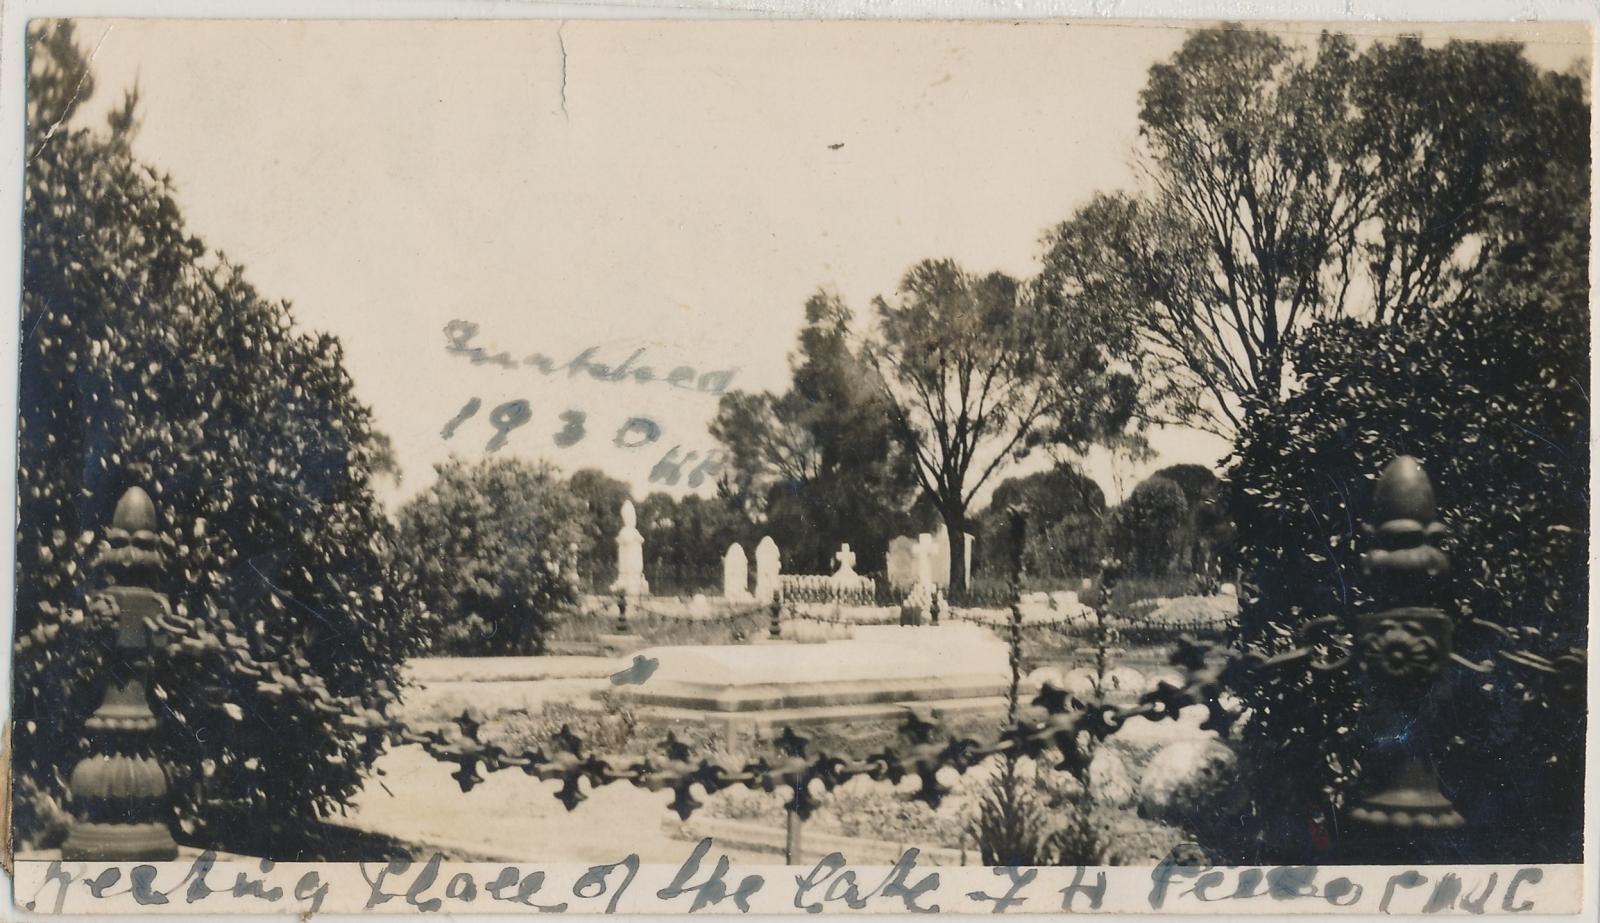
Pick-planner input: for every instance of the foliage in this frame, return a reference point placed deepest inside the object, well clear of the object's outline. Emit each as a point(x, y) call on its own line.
point(1065, 509)
point(1150, 530)
point(602, 497)
point(1285, 184)
point(979, 373)
point(1208, 531)
point(1008, 827)
point(1489, 392)
point(147, 360)
point(821, 461)
point(1491, 398)
point(491, 545)
point(685, 540)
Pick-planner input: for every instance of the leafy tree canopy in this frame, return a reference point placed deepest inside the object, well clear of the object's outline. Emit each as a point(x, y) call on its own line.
point(147, 360)
point(822, 463)
point(493, 546)
point(1284, 183)
point(978, 373)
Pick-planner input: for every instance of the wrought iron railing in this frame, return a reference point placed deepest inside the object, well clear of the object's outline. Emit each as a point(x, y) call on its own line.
point(1403, 647)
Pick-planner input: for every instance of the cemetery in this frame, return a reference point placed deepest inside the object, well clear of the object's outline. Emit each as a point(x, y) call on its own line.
point(839, 668)
point(1175, 552)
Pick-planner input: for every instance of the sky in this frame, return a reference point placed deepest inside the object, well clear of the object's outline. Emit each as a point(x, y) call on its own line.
point(594, 190)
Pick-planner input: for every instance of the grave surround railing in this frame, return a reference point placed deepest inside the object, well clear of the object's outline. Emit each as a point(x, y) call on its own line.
point(1403, 646)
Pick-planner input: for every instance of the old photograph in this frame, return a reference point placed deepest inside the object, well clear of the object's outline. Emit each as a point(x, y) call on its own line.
point(450, 453)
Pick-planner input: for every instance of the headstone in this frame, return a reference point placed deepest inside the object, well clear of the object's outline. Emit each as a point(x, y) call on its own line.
point(735, 573)
point(700, 607)
point(941, 563)
point(630, 555)
point(847, 561)
point(901, 566)
point(925, 556)
point(769, 565)
point(1228, 589)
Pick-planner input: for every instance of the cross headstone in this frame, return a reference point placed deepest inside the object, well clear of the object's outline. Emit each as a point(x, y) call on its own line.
point(847, 561)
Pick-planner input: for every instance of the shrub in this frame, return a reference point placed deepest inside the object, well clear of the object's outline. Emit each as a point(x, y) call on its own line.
point(1490, 396)
point(491, 547)
point(149, 361)
point(1151, 528)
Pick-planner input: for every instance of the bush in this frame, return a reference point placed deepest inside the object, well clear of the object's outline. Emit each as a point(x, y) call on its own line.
point(1151, 528)
point(149, 361)
point(1491, 398)
point(492, 548)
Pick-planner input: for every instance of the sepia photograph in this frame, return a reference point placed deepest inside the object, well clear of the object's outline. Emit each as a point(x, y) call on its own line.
point(738, 453)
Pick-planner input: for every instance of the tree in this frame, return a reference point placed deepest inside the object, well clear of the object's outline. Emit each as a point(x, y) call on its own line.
point(1150, 530)
point(602, 497)
point(821, 463)
point(685, 539)
point(1489, 391)
point(1065, 510)
point(1208, 528)
point(491, 547)
point(1283, 185)
point(978, 373)
point(149, 361)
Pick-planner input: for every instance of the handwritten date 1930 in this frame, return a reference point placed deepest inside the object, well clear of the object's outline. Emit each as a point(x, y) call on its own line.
point(634, 433)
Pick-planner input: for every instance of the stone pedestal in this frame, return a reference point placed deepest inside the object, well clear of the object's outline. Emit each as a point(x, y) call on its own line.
point(873, 676)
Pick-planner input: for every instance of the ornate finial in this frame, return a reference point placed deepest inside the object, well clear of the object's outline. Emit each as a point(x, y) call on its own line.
point(1406, 527)
point(135, 512)
point(132, 539)
point(630, 519)
point(1403, 499)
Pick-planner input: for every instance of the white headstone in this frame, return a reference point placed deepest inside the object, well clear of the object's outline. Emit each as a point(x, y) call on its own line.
point(769, 564)
point(901, 565)
point(926, 556)
point(630, 555)
point(941, 563)
point(735, 573)
point(847, 562)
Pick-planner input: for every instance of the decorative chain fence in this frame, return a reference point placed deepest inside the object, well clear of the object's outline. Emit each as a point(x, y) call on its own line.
point(1402, 646)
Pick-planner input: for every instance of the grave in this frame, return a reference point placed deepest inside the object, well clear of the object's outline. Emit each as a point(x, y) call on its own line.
point(769, 565)
point(873, 676)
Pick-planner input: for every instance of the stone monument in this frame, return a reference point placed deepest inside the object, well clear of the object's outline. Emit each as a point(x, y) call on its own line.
point(630, 556)
point(941, 560)
point(847, 565)
point(735, 574)
point(924, 556)
point(769, 564)
point(901, 564)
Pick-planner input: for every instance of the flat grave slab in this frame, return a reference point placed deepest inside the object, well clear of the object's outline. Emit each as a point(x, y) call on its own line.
point(952, 667)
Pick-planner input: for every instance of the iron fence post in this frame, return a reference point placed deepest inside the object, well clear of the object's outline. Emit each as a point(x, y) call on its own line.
point(1402, 649)
point(119, 800)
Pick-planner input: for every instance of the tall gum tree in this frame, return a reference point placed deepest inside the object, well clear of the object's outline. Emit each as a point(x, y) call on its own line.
point(979, 373)
point(1283, 183)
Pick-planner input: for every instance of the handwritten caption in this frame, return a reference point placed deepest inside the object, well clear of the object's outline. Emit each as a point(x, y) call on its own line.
point(693, 467)
point(707, 879)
